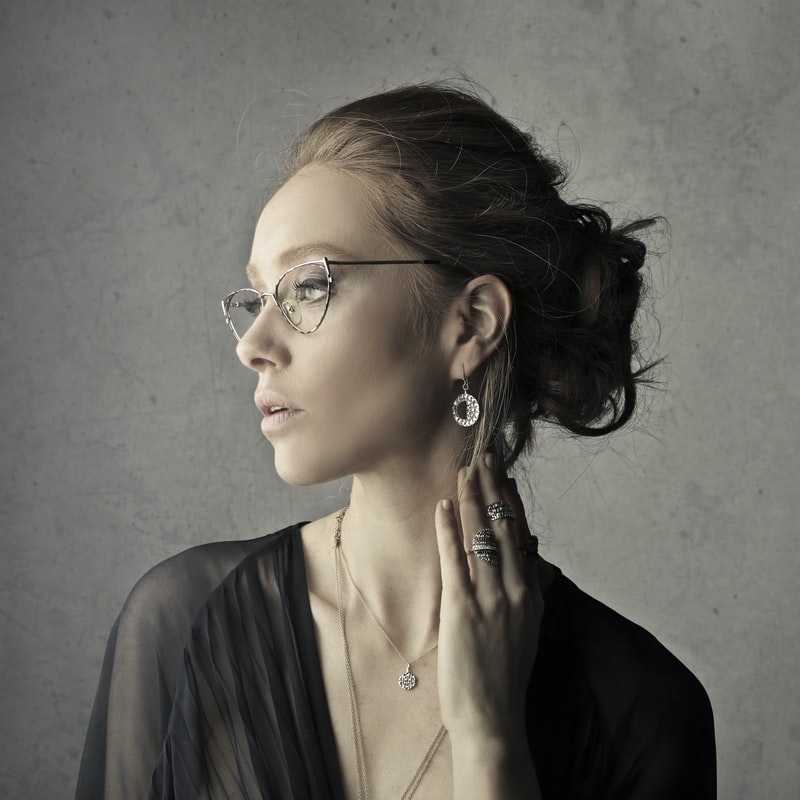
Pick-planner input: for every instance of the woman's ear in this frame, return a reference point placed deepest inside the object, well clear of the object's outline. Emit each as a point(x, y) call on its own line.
point(479, 319)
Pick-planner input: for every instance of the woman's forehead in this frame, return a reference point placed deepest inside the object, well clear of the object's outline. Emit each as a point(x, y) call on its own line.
point(316, 199)
point(317, 212)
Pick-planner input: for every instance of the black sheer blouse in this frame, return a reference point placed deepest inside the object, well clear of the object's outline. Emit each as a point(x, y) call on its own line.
point(211, 688)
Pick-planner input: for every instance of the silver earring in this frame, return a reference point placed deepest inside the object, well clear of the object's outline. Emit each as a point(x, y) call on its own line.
point(471, 408)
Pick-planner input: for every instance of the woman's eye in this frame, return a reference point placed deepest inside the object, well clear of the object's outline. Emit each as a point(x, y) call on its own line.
point(251, 307)
point(310, 291)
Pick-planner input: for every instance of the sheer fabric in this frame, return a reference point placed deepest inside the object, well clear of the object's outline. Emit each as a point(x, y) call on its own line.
point(211, 688)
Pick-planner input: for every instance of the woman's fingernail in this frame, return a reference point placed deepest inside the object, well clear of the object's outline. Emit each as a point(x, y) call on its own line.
point(447, 504)
point(489, 460)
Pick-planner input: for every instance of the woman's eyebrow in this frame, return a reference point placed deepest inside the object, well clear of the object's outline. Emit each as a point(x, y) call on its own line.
point(299, 253)
point(251, 271)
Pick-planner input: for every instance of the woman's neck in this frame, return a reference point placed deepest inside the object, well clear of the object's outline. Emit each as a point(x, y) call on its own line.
point(388, 538)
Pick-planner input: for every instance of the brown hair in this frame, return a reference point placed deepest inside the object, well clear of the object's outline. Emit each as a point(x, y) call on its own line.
point(451, 178)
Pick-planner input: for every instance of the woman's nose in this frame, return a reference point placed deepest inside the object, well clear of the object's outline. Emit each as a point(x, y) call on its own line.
point(260, 346)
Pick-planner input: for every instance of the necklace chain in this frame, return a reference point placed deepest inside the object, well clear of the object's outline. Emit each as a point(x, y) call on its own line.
point(408, 661)
point(355, 718)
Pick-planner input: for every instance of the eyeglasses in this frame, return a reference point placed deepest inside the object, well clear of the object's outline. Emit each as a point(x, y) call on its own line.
point(302, 294)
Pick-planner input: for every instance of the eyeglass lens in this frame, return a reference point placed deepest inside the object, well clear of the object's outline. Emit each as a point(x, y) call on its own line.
point(302, 296)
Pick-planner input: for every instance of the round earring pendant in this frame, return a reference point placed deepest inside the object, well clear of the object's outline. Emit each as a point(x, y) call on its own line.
point(471, 408)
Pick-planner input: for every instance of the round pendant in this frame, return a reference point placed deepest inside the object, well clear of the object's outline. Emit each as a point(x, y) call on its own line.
point(408, 680)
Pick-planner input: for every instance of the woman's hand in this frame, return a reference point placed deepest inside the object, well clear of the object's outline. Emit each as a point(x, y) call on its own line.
point(488, 631)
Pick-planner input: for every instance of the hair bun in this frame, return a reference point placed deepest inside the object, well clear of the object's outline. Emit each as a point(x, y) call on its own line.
point(586, 380)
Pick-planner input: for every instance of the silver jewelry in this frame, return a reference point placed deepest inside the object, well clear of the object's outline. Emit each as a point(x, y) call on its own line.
point(408, 680)
point(484, 546)
point(471, 408)
point(355, 718)
point(530, 548)
point(499, 510)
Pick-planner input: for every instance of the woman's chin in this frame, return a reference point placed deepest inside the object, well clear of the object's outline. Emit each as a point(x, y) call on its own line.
point(295, 477)
point(299, 472)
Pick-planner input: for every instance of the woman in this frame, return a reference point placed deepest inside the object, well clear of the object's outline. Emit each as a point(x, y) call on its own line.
point(420, 297)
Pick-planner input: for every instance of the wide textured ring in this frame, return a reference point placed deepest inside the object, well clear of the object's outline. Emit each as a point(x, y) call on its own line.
point(484, 546)
point(499, 510)
point(530, 548)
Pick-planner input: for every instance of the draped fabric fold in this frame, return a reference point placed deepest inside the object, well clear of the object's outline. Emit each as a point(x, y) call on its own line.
point(243, 723)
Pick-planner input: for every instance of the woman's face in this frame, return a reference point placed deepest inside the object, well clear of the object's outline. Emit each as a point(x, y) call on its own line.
point(357, 395)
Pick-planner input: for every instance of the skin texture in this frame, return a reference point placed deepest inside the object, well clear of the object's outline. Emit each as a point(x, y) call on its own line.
point(365, 402)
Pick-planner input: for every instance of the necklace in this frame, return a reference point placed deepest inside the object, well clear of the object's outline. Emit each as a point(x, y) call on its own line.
point(355, 719)
point(408, 680)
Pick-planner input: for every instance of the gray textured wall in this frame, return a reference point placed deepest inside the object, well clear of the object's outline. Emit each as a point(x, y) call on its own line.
point(136, 141)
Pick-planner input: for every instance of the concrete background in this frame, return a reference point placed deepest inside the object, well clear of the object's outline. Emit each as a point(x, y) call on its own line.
point(137, 139)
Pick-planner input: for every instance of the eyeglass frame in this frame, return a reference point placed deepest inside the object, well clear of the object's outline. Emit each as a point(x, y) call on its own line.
point(326, 263)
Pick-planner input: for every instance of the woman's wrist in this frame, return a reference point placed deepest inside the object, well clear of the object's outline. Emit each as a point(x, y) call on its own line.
point(493, 767)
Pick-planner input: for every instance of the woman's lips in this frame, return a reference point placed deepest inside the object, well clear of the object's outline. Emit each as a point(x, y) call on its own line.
point(278, 418)
point(277, 411)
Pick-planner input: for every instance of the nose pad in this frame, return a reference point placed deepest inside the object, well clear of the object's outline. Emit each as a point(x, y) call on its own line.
point(292, 311)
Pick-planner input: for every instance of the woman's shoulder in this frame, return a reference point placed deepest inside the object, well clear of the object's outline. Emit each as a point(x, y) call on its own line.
point(635, 680)
point(637, 708)
point(611, 645)
point(144, 656)
point(169, 595)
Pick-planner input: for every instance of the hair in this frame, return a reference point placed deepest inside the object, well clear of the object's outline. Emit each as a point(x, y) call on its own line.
point(449, 177)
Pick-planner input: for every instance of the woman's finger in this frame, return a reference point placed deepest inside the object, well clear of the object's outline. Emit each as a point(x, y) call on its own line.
point(452, 557)
point(506, 526)
point(498, 571)
point(529, 569)
point(484, 575)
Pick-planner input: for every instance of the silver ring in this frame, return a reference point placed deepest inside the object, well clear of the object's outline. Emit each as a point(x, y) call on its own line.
point(530, 548)
point(499, 510)
point(484, 546)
